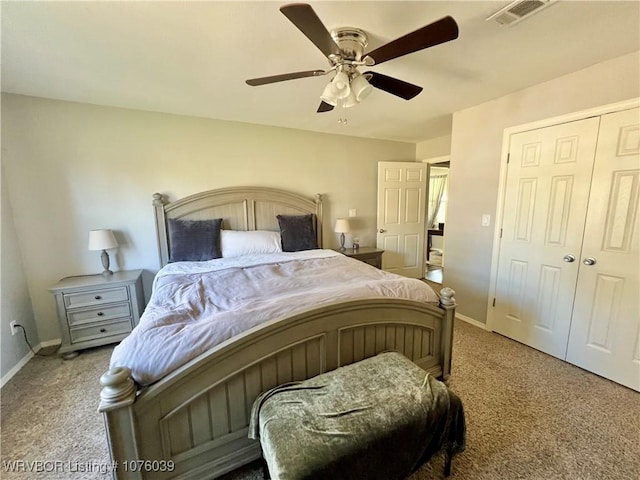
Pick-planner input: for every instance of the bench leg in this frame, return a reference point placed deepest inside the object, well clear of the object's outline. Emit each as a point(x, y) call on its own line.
point(447, 462)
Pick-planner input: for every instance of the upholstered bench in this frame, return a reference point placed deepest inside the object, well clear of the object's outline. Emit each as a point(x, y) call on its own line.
point(380, 418)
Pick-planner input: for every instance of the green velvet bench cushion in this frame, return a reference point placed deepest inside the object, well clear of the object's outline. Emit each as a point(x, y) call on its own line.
point(380, 418)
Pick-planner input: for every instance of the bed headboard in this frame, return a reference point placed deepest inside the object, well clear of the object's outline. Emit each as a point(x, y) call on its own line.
point(241, 208)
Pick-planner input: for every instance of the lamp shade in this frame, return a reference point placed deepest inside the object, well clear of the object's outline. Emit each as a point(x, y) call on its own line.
point(360, 87)
point(102, 240)
point(341, 84)
point(330, 94)
point(350, 101)
point(342, 225)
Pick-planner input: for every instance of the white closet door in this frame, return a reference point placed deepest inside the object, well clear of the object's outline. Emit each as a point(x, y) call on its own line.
point(547, 191)
point(605, 330)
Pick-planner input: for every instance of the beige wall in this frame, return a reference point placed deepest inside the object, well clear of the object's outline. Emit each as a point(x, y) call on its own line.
point(434, 147)
point(475, 164)
point(16, 303)
point(74, 167)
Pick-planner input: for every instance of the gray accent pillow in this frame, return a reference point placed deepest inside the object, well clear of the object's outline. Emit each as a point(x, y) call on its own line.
point(298, 232)
point(194, 240)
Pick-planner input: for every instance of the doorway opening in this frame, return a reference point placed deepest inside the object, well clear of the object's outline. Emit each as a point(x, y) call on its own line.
point(436, 221)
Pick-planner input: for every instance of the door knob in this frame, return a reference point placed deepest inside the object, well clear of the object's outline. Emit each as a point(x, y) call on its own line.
point(382, 230)
point(569, 258)
point(589, 261)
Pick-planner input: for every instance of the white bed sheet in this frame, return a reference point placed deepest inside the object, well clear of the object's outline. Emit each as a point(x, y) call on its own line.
point(197, 305)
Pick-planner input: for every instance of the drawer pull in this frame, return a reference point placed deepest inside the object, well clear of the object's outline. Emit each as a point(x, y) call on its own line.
point(102, 330)
point(100, 314)
point(98, 297)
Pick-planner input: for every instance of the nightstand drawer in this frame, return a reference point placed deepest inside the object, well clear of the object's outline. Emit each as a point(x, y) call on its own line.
point(90, 332)
point(98, 314)
point(96, 297)
point(369, 255)
point(371, 260)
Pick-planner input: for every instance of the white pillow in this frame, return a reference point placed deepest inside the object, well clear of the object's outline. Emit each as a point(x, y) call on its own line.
point(234, 243)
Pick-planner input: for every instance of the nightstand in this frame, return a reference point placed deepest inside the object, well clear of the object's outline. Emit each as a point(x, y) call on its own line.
point(370, 255)
point(97, 310)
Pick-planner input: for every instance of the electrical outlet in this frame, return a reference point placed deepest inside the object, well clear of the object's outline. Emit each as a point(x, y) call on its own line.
point(14, 329)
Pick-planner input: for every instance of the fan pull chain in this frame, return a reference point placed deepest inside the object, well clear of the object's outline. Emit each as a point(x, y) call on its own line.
point(341, 120)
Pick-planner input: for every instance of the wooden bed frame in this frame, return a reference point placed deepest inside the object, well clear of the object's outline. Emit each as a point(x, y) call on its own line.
point(197, 417)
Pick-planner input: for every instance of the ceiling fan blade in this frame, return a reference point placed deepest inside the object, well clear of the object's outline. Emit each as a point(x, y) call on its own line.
point(308, 22)
point(324, 107)
point(254, 82)
point(440, 31)
point(391, 85)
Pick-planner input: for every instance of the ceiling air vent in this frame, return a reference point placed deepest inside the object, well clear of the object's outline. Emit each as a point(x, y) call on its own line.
point(518, 10)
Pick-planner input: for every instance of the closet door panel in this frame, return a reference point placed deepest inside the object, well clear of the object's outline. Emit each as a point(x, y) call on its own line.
point(605, 328)
point(547, 191)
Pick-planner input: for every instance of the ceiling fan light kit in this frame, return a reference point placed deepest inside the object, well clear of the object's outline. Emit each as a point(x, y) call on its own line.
point(345, 52)
point(346, 89)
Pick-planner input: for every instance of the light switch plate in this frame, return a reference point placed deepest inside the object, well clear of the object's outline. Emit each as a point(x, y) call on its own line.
point(353, 212)
point(486, 220)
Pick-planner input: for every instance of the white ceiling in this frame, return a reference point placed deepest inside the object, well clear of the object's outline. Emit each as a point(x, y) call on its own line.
point(192, 58)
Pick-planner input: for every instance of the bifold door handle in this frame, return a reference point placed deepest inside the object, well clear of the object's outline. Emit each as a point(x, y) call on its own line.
point(382, 230)
point(569, 258)
point(589, 261)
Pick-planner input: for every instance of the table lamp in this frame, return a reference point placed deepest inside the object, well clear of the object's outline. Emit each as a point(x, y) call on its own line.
point(103, 240)
point(342, 227)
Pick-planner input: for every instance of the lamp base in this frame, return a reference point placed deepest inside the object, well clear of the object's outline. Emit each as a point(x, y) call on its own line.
point(105, 263)
point(342, 249)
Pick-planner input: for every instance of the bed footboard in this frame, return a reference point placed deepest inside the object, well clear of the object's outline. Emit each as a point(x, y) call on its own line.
point(193, 423)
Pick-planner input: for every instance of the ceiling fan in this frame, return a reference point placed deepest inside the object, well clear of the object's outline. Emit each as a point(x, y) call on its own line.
point(344, 49)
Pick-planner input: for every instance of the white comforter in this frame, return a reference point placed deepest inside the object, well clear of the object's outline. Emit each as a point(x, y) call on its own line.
point(197, 305)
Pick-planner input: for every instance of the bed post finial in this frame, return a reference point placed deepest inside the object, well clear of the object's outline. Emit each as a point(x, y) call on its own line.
point(158, 200)
point(448, 303)
point(118, 389)
point(446, 297)
point(319, 230)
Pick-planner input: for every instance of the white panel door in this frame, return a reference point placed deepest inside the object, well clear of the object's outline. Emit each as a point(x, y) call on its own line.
point(402, 194)
point(546, 196)
point(605, 330)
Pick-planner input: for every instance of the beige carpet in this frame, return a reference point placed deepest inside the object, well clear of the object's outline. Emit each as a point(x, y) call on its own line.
point(529, 416)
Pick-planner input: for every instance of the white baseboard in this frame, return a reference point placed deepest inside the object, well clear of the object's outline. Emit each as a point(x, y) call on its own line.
point(24, 360)
point(9, 375)
point(472, 321)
